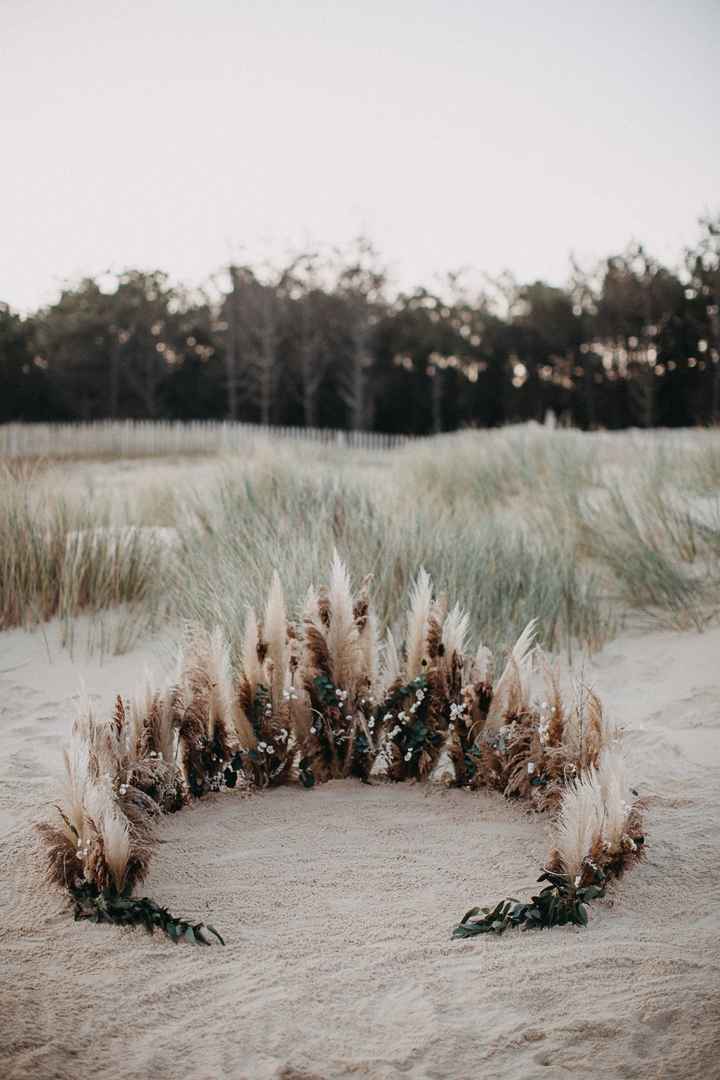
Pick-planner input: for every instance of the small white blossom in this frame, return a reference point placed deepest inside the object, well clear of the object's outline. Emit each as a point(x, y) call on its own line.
point(313, 731)
point(408, 755)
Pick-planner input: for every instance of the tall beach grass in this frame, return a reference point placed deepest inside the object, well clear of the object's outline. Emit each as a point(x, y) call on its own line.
point(581, 531)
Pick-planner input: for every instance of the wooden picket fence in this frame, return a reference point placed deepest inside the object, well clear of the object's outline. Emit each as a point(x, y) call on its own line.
point(160, 438)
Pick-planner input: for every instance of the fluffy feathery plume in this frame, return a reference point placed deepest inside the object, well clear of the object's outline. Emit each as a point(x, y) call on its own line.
point(253, 653)
point(221, 685)
point(109, 846)
point(511, 692)
point(390, 675)
point(455, 636)
point(275, 635)
point(594, 730)
point(579, 824)
point(615, 793)
point(342, 632)
point(208, 689)
point(481, 665)
point(417, 622)
point(140, 707)
point(76, 781)
point(584, 733)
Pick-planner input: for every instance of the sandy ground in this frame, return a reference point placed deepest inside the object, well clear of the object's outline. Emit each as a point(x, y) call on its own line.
point(337, 906)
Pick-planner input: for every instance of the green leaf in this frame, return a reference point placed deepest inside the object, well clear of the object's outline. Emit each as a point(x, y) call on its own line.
point(214, 931)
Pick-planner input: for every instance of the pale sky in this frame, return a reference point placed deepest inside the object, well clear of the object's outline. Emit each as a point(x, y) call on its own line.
point(178, 135)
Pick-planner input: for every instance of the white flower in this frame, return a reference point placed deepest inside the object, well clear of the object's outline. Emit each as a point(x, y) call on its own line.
point(387, 716)
point(402, 716)
point(313, 731)
point(349, 716)
point(419, 694)
point(408, 755)
point(371, 723)
point(123, 789)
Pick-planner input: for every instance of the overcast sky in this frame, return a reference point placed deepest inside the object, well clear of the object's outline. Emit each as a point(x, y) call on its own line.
point(494, 135)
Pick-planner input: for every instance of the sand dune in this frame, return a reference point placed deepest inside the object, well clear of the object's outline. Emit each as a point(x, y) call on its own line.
point(337, 906)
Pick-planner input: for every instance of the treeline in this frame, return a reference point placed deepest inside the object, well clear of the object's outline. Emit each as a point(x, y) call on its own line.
point(324, 342)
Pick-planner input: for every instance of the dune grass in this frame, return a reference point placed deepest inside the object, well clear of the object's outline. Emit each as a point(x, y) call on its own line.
point(60, 558)
point(577, 530)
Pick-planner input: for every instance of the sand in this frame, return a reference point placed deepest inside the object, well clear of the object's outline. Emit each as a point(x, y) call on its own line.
point(337, 906)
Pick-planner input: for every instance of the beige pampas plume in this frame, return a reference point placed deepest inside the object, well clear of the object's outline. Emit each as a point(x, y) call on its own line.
point(342, 633)
point(109, 839)
point(511, 692)
point(76, 781)
point(139, 710)
point(584, 734)
point(417, 623)
point(275, 635)
point(390, 666)
point(481, 665)
point(455, 638)
point(579, 824)
point(221, 690)
point(252, 647)
point(615, 793)
point(594, 729)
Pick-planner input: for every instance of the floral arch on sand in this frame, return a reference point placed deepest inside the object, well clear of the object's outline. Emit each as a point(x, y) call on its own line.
point(324, 697)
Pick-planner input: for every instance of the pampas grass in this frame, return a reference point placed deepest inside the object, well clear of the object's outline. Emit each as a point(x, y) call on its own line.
point(320, 698)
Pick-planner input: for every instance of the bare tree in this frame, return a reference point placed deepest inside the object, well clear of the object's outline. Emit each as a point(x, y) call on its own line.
point(360, 287)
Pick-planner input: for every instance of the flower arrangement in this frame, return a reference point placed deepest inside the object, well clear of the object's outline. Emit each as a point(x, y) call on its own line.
point(325, 698)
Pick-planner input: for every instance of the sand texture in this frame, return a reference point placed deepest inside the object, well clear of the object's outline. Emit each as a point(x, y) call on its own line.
point(337, 906)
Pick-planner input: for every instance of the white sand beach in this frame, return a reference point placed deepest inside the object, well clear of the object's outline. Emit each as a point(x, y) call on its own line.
point(337, 906)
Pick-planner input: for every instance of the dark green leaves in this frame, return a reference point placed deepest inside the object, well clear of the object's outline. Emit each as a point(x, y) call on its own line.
point(558, 904)
point(139, 911)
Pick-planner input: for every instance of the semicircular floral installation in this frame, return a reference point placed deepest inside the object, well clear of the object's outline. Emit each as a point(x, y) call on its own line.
point(324, 698)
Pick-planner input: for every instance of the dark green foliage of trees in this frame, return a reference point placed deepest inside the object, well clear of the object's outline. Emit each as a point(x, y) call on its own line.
point(323, 343)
